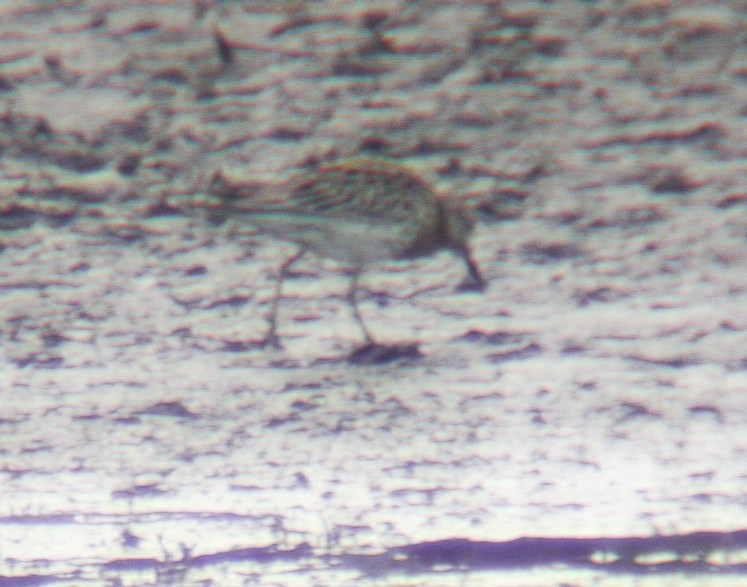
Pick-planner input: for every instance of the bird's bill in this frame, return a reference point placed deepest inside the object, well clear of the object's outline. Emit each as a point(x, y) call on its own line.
point(475, 280)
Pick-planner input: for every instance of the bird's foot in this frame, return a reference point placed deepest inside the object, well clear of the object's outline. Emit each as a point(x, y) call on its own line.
point(272, 340)
point(373, 353)
point(471, 284)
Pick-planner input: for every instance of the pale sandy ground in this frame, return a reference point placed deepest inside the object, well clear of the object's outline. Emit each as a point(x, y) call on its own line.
point(596, 391)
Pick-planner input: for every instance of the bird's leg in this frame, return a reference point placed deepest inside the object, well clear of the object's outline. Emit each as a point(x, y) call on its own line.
point(372, 352)
point(353, 300)
point(272, 338)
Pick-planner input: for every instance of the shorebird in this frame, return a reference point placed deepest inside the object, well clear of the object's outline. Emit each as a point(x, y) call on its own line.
point(358, 212)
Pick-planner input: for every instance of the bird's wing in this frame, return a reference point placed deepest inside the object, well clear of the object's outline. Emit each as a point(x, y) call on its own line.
point(354, 189)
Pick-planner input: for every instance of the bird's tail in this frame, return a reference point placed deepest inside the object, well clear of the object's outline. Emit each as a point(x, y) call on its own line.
point(223, 199)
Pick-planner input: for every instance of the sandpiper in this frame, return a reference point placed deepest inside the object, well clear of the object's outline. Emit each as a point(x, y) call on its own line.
point(358, 212)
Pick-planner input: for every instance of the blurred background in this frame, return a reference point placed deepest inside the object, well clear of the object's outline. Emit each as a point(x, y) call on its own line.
point(580, 421)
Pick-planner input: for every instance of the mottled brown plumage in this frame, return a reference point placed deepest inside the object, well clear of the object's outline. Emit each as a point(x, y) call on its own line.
point(359, 212)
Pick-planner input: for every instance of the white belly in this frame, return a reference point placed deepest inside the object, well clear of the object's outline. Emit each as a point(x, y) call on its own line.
point(356, 243)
